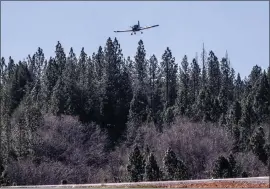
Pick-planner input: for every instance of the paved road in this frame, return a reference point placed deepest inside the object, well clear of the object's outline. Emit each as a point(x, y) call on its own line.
point(159, 183)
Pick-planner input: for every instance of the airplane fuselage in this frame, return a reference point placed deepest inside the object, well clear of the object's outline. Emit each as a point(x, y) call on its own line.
point(136, 28)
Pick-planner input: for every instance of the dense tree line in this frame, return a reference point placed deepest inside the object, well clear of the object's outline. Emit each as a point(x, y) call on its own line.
point(106, 117)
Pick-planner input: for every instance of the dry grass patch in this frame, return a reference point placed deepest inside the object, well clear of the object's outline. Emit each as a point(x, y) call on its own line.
point(221, 185)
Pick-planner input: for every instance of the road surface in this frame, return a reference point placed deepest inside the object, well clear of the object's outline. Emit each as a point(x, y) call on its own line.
point(149, 184)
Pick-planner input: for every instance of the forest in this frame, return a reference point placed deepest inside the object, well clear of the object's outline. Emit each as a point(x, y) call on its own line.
point(103, 117)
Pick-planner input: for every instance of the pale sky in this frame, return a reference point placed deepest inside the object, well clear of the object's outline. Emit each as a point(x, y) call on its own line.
point(241, 28)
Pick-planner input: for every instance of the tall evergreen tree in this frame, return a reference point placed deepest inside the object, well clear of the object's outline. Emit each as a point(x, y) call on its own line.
point(60, 58)
point(236, 113)
point(248, 120)
point(255, 75)
point(155, 90)
point(238, 90)
point(195, 79)
point(58, 98)
point(49, 81)
point(234, 170)
point(152, 171)
point(214, 75)
point(261, 100)
point(70, 86)
point(141, 65)
point(169, 69)
point(110, 93)
point(136, 165)
point(99, 63)
point(184, 100)
point(174, 168)
point(139, 106)
point(221, 168)
point(258, 146)
point(204, 67)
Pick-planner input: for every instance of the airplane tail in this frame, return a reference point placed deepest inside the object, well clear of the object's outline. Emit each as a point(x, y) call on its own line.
point(139, 23)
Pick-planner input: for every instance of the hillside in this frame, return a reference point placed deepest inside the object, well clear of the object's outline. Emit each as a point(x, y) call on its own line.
point(103, 117)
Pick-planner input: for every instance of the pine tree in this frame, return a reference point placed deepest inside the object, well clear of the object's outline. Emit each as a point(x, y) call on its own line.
point(60, 58)
point(99, 63)
point(123, 102)
point(49, 81)
point(216, 110)
point(155, 90)
point(255, 75)
point(231, 86)
point(257, 144)
point(236, 112)
point(2, 85)
point(237, 143)
point(204, 105)
point(35, 64)
point(248, 120)
point(184, 100)
point(261, 99)
point(223, 100)
point(131, 71)
point(141, 65)
point(136, 166)
point(86, 89)
point(111, 91)
point(204, 68)
point(221, 168)
point(152, 171)
point(92, 95)
point(58, 99)
point(214, 75)
point(181, 172)
point(225, 92)
point(169, 70)
point(170, 162)
point(234, 167)
point(195, 80)
point(238, 90)
point(70, 87)
point(139, 105)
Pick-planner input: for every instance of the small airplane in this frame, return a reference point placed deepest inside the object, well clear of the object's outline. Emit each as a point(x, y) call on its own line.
point(137, 28)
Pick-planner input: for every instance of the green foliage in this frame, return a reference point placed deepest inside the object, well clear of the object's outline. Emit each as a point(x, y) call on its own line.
point(221, 168)
point(152, 171)
point(141, 64)
point(175, 169)
point(238, 89)
point(184, 100)
point(170, 164)
point(258, 145)
point(195, 80)
point(234, 170)
point(261, 99)
point(214, 74)
point(226, 168)
point(169, 70)
point(136, 165)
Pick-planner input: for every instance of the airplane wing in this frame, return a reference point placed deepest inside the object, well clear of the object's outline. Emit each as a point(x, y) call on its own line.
point(149, 27)
point(124, 31)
